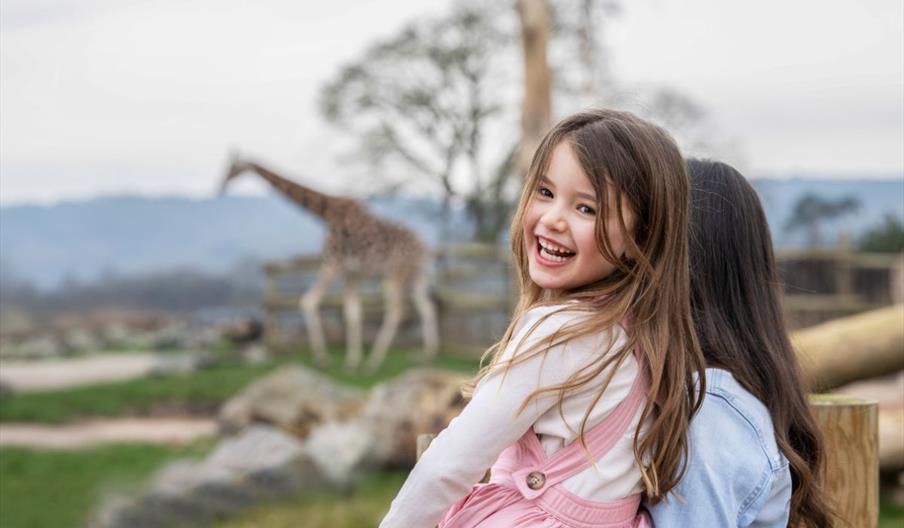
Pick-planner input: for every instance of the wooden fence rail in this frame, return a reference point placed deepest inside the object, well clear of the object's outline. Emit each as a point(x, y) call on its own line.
point(475, 292)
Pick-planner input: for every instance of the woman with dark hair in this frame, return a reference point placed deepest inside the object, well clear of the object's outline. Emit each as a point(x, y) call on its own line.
point(755, 452)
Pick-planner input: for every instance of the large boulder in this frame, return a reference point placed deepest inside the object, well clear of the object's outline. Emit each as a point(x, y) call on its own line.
point(294, 399)
point(343, 451)
point(261, 463)
point(319, 435)
point(417, 402)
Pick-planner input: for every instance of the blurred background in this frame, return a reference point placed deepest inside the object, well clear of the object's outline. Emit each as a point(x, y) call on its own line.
point(154, 366)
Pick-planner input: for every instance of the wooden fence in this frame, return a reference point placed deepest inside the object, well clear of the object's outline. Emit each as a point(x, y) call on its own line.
point(475, 293)
point(824, 285)
point(471, 286)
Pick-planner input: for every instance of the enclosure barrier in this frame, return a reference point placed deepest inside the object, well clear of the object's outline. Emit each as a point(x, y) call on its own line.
point(851, 431)
point(850, 428)
point(852, 348)
point(475, 293)
point(472, 287)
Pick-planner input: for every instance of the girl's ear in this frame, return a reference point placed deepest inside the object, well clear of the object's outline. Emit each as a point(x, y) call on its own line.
point(630, 255)
point(631, 239)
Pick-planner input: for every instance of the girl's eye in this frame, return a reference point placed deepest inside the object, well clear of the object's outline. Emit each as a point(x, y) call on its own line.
point(586, 209)
point(543, 191)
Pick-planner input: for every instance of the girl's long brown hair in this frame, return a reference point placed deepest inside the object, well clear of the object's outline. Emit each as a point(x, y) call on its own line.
point(642, 167)
point(736, 298)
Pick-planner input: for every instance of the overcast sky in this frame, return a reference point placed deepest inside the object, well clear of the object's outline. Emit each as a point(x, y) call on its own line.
point(105, 97)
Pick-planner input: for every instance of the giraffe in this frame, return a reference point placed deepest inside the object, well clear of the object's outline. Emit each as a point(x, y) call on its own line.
point(358, 244)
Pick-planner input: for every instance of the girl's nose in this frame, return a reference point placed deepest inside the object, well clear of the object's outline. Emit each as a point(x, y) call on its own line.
point(554, 219)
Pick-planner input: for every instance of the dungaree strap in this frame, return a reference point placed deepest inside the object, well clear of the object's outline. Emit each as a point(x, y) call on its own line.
point(572, 459)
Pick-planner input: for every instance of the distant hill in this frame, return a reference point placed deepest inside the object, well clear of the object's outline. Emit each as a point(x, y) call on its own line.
point(129, 234)
point(877, 198)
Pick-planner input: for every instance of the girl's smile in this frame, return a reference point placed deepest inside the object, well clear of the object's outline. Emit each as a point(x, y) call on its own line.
point(551, 254)
point(560, 226)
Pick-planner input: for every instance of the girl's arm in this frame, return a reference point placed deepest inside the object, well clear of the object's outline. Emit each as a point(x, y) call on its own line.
point(460, 455)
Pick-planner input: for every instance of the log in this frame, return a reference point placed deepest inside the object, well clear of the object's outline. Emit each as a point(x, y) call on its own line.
point(852, 348)
point(851, 430)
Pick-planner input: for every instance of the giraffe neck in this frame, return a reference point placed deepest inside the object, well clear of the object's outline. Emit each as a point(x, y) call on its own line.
point(313, 201)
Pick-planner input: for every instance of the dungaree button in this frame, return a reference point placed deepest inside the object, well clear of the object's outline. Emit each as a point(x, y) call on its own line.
point(535, 480)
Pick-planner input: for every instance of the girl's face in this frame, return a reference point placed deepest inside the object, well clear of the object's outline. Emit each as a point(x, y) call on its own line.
point(559, 226)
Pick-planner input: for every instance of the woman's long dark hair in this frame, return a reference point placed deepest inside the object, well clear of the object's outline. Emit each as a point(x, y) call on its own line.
point(736, 303)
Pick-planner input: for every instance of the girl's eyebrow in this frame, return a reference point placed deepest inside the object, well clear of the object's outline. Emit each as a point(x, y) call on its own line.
point(586, 196)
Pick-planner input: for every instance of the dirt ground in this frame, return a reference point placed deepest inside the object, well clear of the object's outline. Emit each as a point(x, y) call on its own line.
point(85, 434)
point(26, 376)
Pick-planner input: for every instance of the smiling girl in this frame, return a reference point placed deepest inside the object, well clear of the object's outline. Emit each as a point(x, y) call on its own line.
point(586, 402)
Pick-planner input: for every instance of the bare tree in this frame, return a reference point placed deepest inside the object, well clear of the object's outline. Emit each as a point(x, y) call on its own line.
point(811, 210)
point(437, 102)
point(421, 103)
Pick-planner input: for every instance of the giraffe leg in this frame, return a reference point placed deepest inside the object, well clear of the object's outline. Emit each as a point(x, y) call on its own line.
point(352, 311)
point(392, 292)
point(427, 312)
point(310, 308)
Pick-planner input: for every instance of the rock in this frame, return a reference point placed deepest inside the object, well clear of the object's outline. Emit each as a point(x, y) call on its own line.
point(181, 363)
point(342, 440)
point(38, 347)
point(116, 335)
point(15, 321)
point(262, 463)
point(255, 354)
point(293, 398)
point(416, 402)
point(246, 330)
point(80, 340)
point(342, 451)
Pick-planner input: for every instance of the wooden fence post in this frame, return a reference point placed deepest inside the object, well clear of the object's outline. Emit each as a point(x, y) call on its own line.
point(423, 442)
point(850, 427)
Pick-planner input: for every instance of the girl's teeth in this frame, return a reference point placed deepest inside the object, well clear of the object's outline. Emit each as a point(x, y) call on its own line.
point(550, 256)
point(553, 247)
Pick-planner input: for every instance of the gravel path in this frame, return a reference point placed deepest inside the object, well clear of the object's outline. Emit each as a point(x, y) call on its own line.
point(26, 376)
point(85, 434)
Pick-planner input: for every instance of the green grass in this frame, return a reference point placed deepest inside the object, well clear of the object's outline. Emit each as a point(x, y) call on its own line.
point(890, 515)
point(199, 392)
point(397, 361)
point(363, 507)
point(53, 489)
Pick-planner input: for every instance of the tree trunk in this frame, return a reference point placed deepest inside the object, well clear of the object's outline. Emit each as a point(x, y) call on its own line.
point(536, 108)
point(852, 348)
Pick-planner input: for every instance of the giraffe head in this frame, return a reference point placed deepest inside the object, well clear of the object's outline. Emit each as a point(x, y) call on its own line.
point(236, 167)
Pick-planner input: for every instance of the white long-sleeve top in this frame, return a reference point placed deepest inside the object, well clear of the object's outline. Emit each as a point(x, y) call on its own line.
point(460, 455)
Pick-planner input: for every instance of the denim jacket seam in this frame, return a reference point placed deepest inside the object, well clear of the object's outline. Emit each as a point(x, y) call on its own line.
point(769, 471)
point(775, 464)
point(755, 493)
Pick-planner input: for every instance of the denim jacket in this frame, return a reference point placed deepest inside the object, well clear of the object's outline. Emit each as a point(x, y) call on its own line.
point(736, 475)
